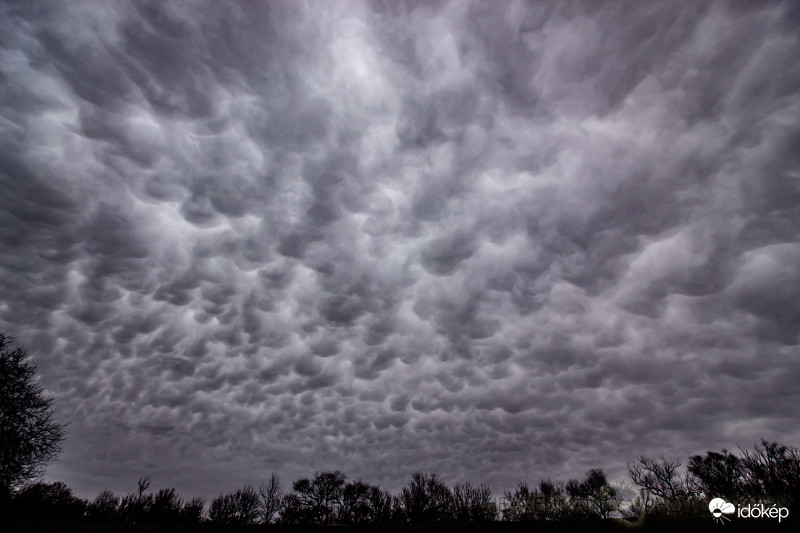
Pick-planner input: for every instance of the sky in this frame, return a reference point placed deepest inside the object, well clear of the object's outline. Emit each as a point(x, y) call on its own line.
point(499, 241)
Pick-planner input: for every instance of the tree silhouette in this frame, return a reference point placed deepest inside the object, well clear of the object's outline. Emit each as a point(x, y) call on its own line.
point(473, 504)
point(271, 493)
point(293, 511)
point(362, 503)
point(382, 505)
point(223, 510)
point(355, 503)
point(105, 508)
point(664, 490)
point(426, 499)
point(319, 499)
point(553, 498)
point(192, 511)
point(134, 508)
point(166, 508)
point(249, 505)
point(29, 437)
point(520, 505)
point(772, 473)
point(718, 475)
point(769, 474)
point(593, 497)
point(327, 498)
point(242, 507)
point(48, 502)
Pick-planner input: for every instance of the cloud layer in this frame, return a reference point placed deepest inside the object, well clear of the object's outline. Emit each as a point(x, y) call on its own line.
point(494, 241)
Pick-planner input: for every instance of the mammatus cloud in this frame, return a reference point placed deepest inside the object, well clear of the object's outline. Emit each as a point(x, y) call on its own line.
point(493, 241)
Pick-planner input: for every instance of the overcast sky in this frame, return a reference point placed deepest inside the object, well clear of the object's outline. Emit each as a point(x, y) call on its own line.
point(491, 240)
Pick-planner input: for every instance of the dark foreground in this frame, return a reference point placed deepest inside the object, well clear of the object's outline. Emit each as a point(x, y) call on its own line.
point(684, 525)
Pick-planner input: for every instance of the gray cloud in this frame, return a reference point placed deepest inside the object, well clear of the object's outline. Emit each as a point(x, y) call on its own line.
point(491, 241)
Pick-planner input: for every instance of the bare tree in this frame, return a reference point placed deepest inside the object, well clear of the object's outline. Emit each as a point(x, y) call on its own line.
point(772, 473)
point(552, 500)
point(317, 500)
point(293, 511)
point(29, 435)
point(355, 503)
point(382, 505)
point(223, 510)
point(271, 493)
point(142, 485)
point(769, 473)
point(362, 503)
point(659, 477)
point(664, 489)
point(473, 504)
point(249, 505)
point(520, 505)
point(426, 499)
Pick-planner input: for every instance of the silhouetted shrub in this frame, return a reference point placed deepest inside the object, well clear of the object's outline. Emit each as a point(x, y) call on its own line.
point(718, 474)
point(549, 502)
point(236, 508)
point(105, 508)
point(48, 502)
point(554, 500)
point(770, 473)
point(192, 511)
point(165, 508)
point(593, 497)
point(135, 508)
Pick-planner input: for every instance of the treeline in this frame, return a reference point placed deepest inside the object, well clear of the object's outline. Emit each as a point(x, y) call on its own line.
point(770, 473)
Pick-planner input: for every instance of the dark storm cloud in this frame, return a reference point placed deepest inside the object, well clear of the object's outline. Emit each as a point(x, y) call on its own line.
point(494, 241)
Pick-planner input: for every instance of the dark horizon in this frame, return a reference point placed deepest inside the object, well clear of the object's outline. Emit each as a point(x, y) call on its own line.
point(718, 485)
point(492, 241)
